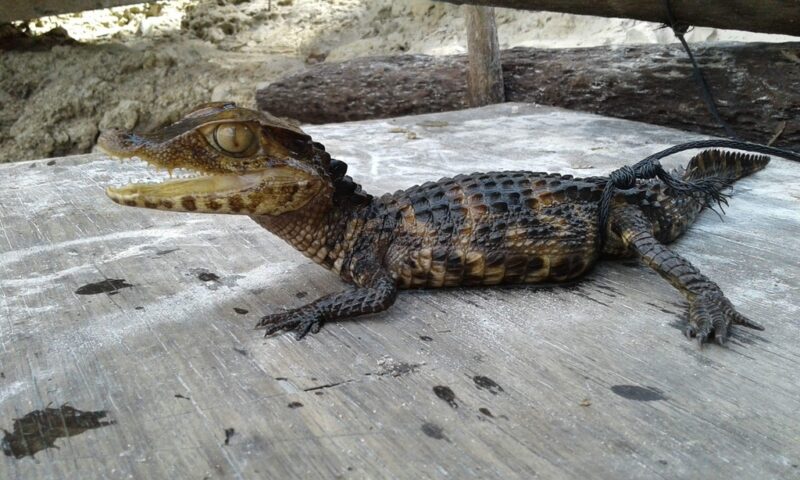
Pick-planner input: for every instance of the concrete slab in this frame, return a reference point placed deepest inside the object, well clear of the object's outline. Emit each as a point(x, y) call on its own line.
point(591, 381)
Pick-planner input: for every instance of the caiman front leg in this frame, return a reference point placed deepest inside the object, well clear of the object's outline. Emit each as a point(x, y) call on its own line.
point(375, 291)
point(710, 312)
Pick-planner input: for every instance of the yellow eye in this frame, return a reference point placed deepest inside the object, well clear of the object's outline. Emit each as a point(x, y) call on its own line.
point(233, 138)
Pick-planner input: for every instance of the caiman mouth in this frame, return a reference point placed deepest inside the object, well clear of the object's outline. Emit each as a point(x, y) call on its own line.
point(261, 191)
point(220, 185)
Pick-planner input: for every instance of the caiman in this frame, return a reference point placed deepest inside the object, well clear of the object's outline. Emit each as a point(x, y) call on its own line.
point(478, 229)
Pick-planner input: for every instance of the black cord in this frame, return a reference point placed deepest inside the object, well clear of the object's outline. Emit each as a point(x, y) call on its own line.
point(625, 178)
point(650, 167)
point(705, 90)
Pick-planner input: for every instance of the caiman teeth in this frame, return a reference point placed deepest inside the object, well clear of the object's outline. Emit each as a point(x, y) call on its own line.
point(197, 185)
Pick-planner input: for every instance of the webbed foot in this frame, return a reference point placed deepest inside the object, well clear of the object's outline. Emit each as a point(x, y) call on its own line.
point(300, 320)
point(710, 316)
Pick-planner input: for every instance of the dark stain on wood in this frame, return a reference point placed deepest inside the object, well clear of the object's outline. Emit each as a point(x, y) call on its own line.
point(486, 383)
point(446, 393)
point(39, 429)
point(229, 433)
point(109, 285)
point(640, 394)
point(208, 277)
point(434, 431)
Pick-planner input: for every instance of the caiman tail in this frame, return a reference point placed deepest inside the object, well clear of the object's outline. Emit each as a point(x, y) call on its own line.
point(710, 172)
point(723, 166)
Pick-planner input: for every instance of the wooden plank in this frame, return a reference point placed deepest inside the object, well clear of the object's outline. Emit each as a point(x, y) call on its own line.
point(596, 380)
point(485, 73)
point(768, 16)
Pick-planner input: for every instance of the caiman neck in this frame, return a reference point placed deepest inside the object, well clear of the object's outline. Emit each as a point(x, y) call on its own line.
point(321, 230)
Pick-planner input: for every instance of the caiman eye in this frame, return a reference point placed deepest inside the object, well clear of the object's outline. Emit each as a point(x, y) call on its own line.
point(233, 138)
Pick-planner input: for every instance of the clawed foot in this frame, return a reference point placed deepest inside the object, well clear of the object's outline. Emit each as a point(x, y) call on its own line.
point(299, 320)
point(710, 317)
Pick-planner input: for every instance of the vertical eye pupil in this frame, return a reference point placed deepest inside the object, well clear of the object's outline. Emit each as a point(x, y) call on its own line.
point(233, 138)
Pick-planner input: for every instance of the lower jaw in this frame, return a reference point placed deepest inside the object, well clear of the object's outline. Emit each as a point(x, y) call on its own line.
point(211, 194)
point(256, 194)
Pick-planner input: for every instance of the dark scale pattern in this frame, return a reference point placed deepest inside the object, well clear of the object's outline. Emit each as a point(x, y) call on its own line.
point(491, 228)
point(507, 227)
point(477, 229)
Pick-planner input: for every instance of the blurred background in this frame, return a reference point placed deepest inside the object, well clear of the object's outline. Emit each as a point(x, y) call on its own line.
point(64, 78)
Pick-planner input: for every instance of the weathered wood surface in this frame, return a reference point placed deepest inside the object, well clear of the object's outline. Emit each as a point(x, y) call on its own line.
point(769, 16)
point(484, 72)
point(757, 86)
point(597, 381)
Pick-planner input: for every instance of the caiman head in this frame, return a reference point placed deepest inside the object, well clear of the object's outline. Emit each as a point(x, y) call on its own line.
point(227, 160)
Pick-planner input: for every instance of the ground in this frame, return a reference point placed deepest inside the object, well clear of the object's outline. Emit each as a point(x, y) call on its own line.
point(145, 65)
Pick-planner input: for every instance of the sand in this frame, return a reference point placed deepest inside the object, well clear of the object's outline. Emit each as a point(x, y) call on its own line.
point(142, 66)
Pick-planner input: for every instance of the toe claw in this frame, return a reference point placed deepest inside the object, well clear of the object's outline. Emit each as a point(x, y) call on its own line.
point(274, 329)
point(267, 320)
point(302, 330)
point(306, 326)
point(299, 320)
point(739, 319)
point(710, 318)
point(690, 332)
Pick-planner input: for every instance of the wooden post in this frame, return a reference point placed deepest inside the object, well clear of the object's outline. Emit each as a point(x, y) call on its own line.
point(485, 73)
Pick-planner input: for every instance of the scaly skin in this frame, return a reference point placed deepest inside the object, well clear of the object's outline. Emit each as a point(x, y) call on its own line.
point(478, 229)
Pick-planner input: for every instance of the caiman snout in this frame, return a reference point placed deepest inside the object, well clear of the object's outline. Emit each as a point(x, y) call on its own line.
point(226, 160)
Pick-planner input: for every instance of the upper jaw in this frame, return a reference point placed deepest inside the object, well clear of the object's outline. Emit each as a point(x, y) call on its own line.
point(168, 155)
point(120, 144)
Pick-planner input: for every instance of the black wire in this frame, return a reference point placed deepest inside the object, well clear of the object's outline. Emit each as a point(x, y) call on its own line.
point(705, 89)
point(650, 167)
point(720, 143)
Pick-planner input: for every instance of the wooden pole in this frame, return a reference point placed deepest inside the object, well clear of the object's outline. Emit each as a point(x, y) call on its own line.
point(485, 73)
point(769, 16)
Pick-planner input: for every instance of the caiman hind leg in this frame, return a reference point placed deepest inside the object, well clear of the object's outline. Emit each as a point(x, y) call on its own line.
point(710, 313)
point(375, 292)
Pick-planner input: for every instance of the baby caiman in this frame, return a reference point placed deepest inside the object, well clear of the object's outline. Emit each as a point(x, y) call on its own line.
point(476, 229)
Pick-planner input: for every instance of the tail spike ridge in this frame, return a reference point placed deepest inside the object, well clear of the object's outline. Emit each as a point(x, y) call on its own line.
point(723, 166)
